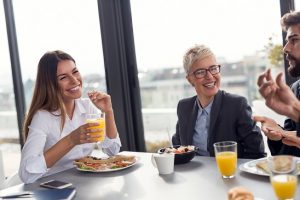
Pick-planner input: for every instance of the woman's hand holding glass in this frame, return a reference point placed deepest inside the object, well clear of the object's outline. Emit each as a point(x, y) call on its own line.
point(103, 102)
point(100, 119)
point(85, 134)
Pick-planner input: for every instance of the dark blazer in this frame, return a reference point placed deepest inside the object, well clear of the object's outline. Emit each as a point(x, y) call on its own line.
point(230, 120)
point(277, 147)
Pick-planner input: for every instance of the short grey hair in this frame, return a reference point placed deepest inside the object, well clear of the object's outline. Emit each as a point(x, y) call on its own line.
point(195, 53)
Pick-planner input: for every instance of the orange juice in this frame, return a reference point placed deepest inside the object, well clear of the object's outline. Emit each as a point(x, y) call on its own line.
point(227, 161)
point(101, 125)
point(284, 186)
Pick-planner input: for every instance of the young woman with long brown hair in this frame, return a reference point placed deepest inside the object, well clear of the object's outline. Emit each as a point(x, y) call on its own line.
point(55, 129)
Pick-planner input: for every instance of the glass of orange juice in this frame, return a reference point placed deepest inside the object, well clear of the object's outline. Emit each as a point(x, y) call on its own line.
point(226, 158)
point(100, 118)
point(283, 177)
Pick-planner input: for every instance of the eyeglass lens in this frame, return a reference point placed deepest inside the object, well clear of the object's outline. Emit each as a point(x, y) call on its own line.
point(200, 73)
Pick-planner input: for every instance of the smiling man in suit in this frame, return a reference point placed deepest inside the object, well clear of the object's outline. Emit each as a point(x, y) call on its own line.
point(214, 115)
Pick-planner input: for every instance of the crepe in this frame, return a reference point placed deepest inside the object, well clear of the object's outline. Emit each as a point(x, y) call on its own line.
point(113, 162)
point(281, 163)
point(264, 166)
point(92, 159)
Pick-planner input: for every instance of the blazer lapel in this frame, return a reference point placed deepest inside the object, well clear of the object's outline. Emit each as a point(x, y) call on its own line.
point(192, 122)
point(216, 107)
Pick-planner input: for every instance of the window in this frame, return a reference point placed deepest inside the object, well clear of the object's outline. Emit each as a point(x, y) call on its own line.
point(69, 25)
point(241, 33)
point(9, 132)
point(297, 4)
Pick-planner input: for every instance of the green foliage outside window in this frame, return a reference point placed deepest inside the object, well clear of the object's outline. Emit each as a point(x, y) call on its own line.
point(275, 53)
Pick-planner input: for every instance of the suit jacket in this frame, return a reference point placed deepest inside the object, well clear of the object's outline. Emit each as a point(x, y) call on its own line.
point(277, 147)
point(230, 120)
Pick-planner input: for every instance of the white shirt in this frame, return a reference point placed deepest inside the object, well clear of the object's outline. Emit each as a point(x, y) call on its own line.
point(45, 131)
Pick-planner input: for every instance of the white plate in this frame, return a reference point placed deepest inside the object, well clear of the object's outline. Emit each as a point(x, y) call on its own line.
point(109, 170)
point(251, 168)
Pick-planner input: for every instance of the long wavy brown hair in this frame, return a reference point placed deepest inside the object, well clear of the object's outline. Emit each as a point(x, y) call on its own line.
point(46, 95)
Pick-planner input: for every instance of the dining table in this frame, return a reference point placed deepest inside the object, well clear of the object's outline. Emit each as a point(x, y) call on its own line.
point(196, 180)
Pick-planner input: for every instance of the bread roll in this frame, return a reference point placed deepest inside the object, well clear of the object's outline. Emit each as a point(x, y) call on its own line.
point(240, 193)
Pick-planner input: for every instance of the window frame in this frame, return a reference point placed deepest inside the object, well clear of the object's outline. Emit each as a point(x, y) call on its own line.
point(15, 66)
point(120, 64)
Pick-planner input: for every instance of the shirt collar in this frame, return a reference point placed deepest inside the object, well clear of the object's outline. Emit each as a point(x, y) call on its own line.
point(207, 108)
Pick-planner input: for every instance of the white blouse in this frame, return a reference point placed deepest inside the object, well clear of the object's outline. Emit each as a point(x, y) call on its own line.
point(44, 132)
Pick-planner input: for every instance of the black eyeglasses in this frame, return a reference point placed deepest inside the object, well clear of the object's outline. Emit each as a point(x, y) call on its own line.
point(200, 73)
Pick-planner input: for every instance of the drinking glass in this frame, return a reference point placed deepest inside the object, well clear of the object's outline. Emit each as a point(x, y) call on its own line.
point(100, 118)
point(226, 158)
point(283, 176)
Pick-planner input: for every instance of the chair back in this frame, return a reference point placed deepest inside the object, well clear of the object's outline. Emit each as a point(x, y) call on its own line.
point(2, 176)
point(12, 180)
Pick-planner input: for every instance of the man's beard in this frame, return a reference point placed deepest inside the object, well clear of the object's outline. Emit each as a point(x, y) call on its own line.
point(294, 70)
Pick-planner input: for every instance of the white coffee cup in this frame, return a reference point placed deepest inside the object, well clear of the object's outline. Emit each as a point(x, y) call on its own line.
point(163, 162)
